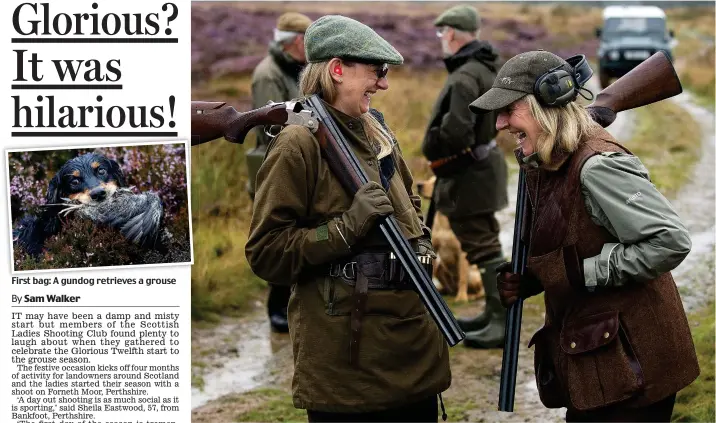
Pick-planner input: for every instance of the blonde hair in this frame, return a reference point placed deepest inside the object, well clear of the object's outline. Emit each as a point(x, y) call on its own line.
point(562, 127)
point(316, 79)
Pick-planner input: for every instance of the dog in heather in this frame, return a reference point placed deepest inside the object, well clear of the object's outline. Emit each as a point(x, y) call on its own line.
point(93, 187)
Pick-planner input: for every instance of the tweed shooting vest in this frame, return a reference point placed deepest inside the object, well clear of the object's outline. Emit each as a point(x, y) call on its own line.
point(631, 343)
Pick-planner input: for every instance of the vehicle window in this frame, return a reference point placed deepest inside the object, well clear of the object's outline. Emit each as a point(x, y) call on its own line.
point(617, 27)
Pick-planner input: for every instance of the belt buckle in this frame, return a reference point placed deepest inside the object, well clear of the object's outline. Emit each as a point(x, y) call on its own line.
point(334, 270)
point(353, 268)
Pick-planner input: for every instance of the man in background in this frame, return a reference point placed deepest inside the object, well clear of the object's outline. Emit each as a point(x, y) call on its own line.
point(276, 79)
point(472, 184)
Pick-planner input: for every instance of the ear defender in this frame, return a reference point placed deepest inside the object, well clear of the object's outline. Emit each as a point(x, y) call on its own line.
point(557, 87)
point(338, 70)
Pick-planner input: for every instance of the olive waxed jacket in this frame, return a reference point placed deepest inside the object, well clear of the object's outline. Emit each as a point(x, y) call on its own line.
point(482, 186)
point(403, 357)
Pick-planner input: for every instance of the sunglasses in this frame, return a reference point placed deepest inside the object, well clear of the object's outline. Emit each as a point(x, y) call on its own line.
point(382, 71)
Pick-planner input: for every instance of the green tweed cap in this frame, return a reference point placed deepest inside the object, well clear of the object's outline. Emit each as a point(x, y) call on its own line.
point(338, 36)
point(464, 18)
point(293, 22)
point(517, 78)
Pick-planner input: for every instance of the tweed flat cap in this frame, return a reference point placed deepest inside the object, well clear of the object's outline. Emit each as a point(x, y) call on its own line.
point(517, 78)
point(338, 36)
point(464, 18)
point(293, 22)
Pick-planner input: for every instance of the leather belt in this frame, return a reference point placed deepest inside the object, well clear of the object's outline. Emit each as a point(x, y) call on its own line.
point(370, 271)
point(393, 277)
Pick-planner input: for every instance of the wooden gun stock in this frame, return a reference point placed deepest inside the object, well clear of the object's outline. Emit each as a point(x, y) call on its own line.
point(652, 80)
point(211, 120)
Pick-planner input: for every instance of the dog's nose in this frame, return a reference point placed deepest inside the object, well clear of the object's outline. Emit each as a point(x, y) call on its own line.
point(98, 194)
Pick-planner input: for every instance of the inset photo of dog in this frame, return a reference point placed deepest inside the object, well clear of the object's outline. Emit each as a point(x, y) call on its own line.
point(104, 206)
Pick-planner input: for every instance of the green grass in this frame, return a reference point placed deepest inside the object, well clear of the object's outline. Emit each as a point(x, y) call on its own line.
point(668, 142)
point(277, 406)
point(457, 411)
point(694, 54)
point(695, 403)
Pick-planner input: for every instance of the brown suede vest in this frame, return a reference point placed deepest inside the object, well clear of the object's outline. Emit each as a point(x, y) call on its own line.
point(629, 345)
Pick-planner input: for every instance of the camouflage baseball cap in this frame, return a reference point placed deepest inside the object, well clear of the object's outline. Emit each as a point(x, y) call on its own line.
point(293, 22)
point(517, 78)
point(338, 36)
point(464, 18)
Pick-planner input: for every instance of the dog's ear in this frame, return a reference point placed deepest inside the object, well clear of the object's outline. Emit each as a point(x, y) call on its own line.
point(117, 173)
point(53, 190)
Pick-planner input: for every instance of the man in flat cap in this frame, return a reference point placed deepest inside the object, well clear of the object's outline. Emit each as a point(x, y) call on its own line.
point(276, 79)
point(471, 183)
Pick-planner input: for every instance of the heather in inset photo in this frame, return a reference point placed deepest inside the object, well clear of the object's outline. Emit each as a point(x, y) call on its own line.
point(92, 207)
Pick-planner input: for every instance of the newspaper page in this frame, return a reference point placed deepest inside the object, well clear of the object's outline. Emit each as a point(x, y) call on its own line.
point(97, 246)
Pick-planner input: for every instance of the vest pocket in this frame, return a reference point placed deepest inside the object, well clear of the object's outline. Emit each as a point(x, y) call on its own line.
point(601, 367)
point(551, 392)
point(559, 270)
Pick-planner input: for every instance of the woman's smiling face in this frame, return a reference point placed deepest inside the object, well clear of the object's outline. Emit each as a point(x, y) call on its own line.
point(518, 120)
point(356, 84)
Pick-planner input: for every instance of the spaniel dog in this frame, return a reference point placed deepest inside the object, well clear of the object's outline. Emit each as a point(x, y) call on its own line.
point(452, 273)
point(93, 187)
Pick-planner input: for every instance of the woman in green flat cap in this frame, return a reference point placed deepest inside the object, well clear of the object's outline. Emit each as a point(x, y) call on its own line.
point(615, 345)
point(385, 360)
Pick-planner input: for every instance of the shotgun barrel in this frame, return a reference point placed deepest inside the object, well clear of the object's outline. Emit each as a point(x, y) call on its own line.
point(520, 238)
point(344, 164)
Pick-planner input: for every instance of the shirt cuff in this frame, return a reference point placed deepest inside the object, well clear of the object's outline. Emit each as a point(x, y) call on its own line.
point(590, 272)
point(596, 269)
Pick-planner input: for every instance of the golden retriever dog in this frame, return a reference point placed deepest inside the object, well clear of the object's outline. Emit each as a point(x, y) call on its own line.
point(452, 273)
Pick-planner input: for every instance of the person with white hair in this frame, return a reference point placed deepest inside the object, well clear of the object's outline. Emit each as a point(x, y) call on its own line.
point(471, 183)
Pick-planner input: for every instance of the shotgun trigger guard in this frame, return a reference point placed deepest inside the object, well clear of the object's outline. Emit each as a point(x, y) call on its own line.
point(297, 115)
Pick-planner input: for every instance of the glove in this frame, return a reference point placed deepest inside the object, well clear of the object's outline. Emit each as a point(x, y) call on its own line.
point(512, 286)
point(369, 203)
point(424, 247)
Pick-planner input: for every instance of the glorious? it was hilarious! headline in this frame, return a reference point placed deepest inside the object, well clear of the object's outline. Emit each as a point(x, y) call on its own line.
point(46, 88)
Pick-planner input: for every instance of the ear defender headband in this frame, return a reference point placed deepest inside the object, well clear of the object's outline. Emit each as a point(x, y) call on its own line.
point(557, 86)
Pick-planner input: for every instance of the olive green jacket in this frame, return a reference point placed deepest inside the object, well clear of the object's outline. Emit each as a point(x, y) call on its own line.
point(481, 187)
point(294, 234)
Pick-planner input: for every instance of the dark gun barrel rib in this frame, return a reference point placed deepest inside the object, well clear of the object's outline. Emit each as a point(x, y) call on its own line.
point(513, 322)
point(432, 300)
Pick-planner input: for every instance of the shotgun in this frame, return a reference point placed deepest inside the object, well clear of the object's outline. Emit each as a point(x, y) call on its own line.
point(212, 120)
point(652, 80)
